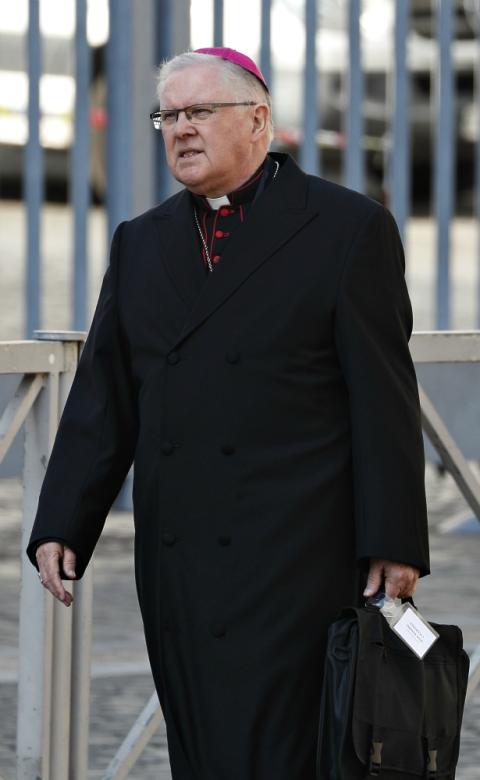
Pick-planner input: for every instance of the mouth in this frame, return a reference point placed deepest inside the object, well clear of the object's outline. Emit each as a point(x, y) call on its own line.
point(189, 154)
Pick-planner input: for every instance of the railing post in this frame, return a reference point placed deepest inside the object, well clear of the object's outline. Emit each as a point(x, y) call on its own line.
point(34, 666)
point(48, 743)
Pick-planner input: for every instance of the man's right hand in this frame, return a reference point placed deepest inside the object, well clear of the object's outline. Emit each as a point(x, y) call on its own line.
point(49, 555)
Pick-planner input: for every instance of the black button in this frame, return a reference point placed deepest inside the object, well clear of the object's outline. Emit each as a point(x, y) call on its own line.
point(228, 449)
point(169, 538)
point(173, 358)
point(218, 629)
point(232, 356)
point(224, 540)
point(167, 448)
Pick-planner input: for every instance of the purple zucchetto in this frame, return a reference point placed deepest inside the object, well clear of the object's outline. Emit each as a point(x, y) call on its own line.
point(232, 55)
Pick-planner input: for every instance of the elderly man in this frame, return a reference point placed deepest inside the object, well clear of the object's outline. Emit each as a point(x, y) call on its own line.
point(249, 352)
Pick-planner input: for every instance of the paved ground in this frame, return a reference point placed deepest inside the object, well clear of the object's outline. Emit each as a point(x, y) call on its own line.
point(121, 681)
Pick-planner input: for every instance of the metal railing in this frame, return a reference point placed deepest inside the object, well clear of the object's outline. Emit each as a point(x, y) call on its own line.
point(55, 643)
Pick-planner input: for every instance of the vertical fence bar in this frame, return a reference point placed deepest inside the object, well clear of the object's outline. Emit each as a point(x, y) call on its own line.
point(143, 102)
point(477, 168)
point(164, 50)
point(80, 168)
point(444, 177)
point(118, 112)
point(81, 666)
point(400, 145)
point(218, 22)
point(61, 692)
point(34, 647)
point(354, 176)
point(266, 42)
point(33, 171)
point(309, 154)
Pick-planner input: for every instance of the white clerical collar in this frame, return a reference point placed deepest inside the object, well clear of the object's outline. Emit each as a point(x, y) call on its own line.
point(216, 203)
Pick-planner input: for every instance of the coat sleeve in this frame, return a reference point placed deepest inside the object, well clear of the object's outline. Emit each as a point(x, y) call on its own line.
point(95, 443)
point(373, 324)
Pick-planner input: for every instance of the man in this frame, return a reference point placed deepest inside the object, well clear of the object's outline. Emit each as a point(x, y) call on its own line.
point(249, 352)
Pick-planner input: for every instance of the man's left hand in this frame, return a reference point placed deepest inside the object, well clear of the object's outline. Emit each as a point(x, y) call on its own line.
point(400, 579)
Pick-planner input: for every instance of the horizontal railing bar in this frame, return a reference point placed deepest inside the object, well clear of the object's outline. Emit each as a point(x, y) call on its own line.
point(37, 357)
point(445, 346)
point(17, 410)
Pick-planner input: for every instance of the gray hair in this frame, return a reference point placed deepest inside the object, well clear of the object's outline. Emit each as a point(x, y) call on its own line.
point(244, 83)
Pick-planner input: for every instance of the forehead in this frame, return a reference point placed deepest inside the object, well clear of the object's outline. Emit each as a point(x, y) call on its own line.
point(196, 84)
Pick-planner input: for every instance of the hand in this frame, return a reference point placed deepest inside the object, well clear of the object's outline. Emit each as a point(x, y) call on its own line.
point(400, 579)
point(48, 557)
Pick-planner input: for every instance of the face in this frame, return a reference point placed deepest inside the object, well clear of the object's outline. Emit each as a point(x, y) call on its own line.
point(216, 157)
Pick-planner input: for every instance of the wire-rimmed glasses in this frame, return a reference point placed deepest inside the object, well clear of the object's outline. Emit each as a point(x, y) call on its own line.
point(199, 113)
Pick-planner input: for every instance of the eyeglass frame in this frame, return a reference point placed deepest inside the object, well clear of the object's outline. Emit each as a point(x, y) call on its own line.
point(156, 116)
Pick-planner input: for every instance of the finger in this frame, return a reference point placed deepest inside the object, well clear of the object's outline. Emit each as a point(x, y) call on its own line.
point(69, 562)
point(374, 579)
point(49, 567)
point(400, 581)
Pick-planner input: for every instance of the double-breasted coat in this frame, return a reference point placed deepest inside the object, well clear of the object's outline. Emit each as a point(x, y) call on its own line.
point(271, 412)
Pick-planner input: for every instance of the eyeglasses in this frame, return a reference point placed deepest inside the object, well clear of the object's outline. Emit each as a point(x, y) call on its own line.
point(198, 114)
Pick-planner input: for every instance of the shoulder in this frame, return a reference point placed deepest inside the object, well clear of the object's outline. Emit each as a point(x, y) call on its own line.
point(144, 221)
point(349, 212)
point(336, 197)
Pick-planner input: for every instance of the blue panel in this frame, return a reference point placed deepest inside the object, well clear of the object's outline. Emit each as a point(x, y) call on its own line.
point(309, 157)
point(444, 181)
point(354, 174)
point(33, 173)
point(80, 168)
point(119, 116)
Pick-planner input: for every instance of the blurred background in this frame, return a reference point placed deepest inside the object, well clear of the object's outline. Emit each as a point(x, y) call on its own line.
point(380, 95)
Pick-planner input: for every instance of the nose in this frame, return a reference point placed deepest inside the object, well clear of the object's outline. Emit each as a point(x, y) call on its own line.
point(183, 126)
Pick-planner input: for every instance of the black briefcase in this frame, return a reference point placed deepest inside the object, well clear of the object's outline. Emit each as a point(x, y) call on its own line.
point(384, 712)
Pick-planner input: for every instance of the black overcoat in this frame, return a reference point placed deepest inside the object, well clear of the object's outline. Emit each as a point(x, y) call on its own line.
point(271, 411)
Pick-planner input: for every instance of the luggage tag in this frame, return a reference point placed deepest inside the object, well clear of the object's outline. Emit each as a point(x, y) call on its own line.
point(407, 622)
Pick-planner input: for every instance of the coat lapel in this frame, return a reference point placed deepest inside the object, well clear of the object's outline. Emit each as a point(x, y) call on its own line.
point(281, 211)
point(181, 252)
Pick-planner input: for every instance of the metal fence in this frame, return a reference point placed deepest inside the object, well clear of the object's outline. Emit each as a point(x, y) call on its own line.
point(55, 643)
point(141, 34)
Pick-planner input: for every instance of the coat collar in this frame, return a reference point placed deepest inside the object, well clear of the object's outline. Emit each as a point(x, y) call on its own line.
point(280, 212)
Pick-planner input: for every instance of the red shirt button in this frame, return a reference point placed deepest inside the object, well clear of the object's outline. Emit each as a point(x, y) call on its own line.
point(219, 234)
point(224, 212)
point(216, 259)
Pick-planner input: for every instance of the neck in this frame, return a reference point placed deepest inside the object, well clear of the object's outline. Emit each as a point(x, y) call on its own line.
point(234, 184)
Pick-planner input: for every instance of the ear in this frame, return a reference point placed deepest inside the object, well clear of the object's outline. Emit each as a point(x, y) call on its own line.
point(261, 117)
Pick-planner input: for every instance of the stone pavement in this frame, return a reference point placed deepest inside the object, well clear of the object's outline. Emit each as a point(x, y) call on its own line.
point(122, 683)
